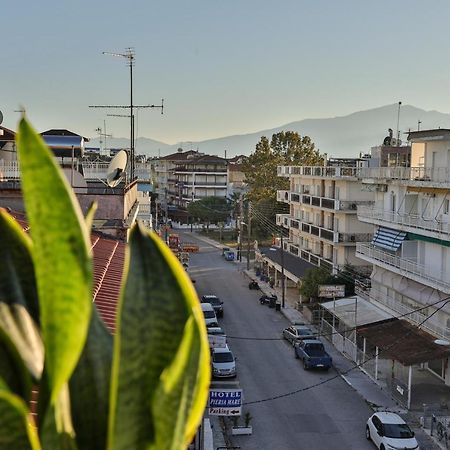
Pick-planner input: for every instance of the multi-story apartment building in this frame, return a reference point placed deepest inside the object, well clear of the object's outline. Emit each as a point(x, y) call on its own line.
point(410, 249)
point(322, 221)
point(197, 177)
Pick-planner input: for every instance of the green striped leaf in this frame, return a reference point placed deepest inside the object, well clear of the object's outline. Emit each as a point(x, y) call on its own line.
point(89, 387)
point(16, 431)
point(61, 255)
point(161, 353)
point(17, 280)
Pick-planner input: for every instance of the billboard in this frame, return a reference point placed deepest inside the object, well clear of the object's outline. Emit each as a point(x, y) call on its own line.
point(331, 290)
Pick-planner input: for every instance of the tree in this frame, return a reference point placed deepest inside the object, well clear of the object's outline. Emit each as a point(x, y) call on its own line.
point(145, 387)
point(210, 209)
point(285, 148)
point(313, 278)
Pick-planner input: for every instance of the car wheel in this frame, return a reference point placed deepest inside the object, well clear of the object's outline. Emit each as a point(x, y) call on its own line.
point(382, 447)
point(368, 433)
point(295, 353)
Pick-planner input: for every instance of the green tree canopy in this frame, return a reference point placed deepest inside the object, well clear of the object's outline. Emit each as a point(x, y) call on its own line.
point(210, 209)
point(285, 148)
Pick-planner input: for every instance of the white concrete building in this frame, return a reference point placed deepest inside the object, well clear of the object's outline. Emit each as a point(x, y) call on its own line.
point(410, 251)
point(322, 222)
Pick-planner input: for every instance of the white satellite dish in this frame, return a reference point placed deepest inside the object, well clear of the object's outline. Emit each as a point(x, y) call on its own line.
point(441, 342)
point(116, 169)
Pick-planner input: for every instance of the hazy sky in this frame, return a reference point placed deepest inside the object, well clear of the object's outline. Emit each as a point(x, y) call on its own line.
point(223, 67)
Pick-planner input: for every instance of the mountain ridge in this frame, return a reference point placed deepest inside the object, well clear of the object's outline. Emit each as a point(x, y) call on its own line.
point(339, 136)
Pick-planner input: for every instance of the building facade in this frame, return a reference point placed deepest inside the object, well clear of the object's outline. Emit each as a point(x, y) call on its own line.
point(322, 221)
point(410, 251)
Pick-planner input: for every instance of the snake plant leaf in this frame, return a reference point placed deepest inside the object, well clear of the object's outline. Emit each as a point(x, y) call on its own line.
point(16, 431)
point(17, 280)
point(55, 423)
point(181, 394)
point(12, 369)
point(159, 322)
point(61, 256)
point(89, 385)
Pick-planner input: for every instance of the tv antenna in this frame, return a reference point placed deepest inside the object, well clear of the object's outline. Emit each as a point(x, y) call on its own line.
point(130, 56)
point(102, 134)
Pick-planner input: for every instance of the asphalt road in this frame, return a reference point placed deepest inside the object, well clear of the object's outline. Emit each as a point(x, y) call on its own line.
point(329, 416)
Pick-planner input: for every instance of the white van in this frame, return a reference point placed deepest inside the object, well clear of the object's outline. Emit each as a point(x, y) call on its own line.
point(210, 315)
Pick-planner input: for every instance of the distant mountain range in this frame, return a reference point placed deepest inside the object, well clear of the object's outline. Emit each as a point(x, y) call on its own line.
point(344, 136)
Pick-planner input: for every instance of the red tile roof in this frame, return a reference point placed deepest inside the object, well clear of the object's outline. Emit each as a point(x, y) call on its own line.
point(108, 260)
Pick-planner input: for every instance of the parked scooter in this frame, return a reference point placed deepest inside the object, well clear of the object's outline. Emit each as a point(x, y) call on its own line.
point(268, 300)
point(253, 285)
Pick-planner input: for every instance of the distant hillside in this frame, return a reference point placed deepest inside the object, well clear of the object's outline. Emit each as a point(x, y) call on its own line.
point(344, 136)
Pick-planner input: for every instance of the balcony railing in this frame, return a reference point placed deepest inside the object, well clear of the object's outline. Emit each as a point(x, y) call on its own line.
point(283, 220)
point(283, 196)
point(407, 267)
point(409, 175)
point(414, 221)
point(317, 171)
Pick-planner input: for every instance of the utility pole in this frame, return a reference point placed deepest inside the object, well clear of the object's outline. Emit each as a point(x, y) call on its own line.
point(241, 215)
point(249, 226)
point(282, 272)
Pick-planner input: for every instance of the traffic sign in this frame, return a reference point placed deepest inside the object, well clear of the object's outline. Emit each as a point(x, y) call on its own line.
point(225, 402)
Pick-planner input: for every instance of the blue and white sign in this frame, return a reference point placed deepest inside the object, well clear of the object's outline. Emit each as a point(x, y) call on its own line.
point(225, 402)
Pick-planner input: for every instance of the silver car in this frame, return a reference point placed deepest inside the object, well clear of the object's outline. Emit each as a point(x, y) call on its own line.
point(296, 333)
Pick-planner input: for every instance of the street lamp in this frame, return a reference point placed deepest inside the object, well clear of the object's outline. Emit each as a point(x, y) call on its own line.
point(282, 271)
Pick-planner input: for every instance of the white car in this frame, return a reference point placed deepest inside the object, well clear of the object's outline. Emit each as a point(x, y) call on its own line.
point(296, 333)
point(210, 315)
point(223, 362)
point(388, 431)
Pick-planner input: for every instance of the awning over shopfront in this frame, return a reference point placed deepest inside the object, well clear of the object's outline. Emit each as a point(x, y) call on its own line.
point(356, 311)
point(388, 239)
point(403, 342)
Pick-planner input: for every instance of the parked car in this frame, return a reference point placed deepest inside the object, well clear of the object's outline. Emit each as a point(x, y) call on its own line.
point(224, 250)
point(229, 256)
point(388, 430)
point(210, 315)
point(216, 337)
point(313, 354)
point(253, 285)
point(216, 303)
point(296, 333)
point(223, 363)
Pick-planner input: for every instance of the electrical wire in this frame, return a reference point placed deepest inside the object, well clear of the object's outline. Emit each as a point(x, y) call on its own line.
point(345, 372)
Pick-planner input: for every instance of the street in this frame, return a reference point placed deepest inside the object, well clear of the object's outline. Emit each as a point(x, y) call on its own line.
point(331, 415)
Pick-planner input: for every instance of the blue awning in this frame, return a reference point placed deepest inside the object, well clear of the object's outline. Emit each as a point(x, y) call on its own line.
point(388, 239)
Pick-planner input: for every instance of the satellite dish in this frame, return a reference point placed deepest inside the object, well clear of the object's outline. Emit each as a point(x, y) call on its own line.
point(116, 169)
point(1, 117)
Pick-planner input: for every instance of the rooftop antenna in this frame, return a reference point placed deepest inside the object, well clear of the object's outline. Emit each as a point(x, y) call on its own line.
point(102, 134)
point(418, 125)
point(398, 123)
point(130, 56)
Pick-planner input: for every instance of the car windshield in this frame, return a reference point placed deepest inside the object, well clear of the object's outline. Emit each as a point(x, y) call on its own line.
point(397, 431)
point(209, 314)
point(315, 349)
point(304, 331)
point(223, 357)
point(214, 301)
